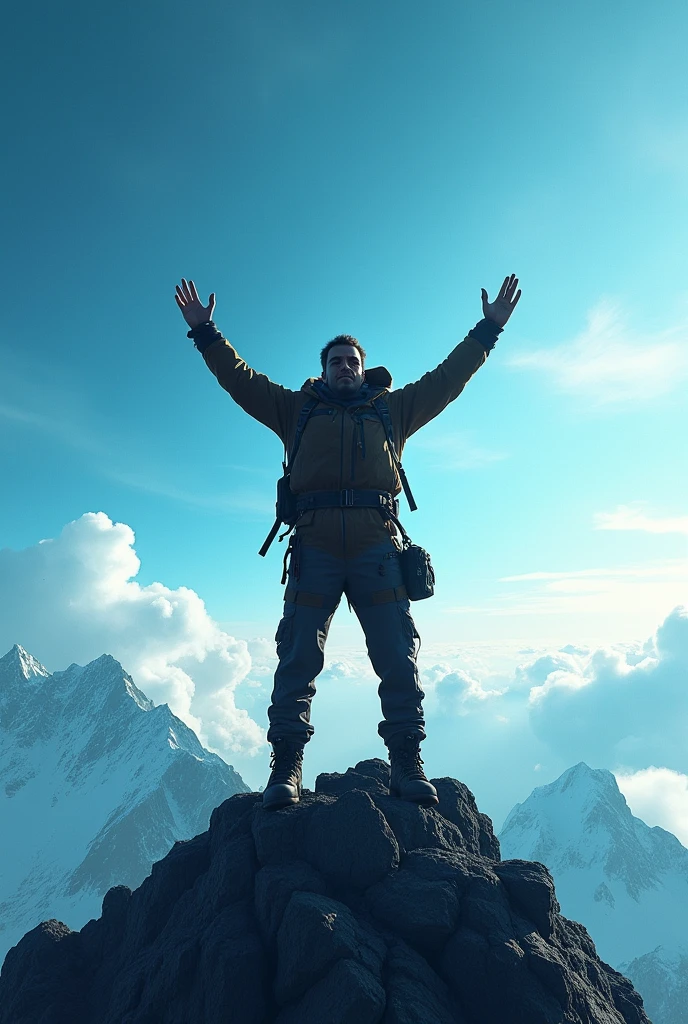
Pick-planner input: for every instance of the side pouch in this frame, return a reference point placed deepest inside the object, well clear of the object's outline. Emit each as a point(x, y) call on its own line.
point(417, 572)
point(285, 507)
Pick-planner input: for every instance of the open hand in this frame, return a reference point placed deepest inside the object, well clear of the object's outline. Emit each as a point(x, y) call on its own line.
point(193, 310)
point(503, 306)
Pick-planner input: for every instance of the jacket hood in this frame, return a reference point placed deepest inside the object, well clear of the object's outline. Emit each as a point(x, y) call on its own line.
point(377, 380)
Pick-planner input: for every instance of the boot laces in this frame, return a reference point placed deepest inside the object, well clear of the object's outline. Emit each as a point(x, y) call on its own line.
point(285, 765)
point(410, 763)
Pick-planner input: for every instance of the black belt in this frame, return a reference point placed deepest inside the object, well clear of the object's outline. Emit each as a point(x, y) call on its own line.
point(348, 498)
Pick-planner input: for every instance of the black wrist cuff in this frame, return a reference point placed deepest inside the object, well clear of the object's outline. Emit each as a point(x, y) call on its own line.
point(486, 332)
point(204, 335)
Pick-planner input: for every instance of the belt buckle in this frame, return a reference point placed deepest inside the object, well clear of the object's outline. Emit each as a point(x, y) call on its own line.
point(347, 497)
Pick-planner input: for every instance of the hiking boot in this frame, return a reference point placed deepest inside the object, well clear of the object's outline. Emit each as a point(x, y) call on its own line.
point(407, 779)
point(284, 785)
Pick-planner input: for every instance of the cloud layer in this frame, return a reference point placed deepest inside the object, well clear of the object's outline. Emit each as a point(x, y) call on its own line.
point(74, 597)
point(609, 711)
point(609, 363)
point(660, 797)
point(502, 720)
point(633, 517)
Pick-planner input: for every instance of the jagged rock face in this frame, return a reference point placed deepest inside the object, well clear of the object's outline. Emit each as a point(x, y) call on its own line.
point(352, 907)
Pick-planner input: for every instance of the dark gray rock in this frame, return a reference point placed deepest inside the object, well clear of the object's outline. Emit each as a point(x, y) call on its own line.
point(445, 866)
point(315, 933)
point(493, 983)
point(231, 874)
point(280, 836)
point(350, 842)
point(371, 776)
point(374, 768)
point(42, 977)
point(414, 991)
point(352, 907)
point(531, 887)
point(231, 818)
point(152, 903)
point(458, 805)
point(275, 885)
point(485, 908)
point(336, 784)
point(423, 912)
point(214, 975)
point(348, 994)
point(417, 828)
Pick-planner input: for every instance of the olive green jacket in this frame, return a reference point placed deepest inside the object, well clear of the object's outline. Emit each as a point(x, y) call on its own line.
point(344, 445)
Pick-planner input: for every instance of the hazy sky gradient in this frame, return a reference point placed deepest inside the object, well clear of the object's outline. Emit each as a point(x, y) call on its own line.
point(360, 168)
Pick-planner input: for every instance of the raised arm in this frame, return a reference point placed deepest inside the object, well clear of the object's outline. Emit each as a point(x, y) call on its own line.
point(416, 404)
point(257, 395)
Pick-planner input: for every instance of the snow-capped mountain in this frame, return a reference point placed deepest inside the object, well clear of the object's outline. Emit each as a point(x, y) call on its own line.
point(661, 977)
point(626, 882)
point(96, 785)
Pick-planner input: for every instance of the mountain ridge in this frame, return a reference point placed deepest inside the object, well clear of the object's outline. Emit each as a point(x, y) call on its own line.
point(98, 782)
point(625, 881)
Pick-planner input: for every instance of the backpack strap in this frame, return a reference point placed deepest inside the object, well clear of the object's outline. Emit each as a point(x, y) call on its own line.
point(382, 409)
point(306, 409)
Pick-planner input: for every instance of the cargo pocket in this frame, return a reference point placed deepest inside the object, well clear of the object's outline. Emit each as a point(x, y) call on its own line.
point(285, 631)
point(408, 626)
point(305, 519)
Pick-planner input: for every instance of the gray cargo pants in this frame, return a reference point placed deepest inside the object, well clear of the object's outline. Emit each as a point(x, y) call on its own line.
point(374, 586)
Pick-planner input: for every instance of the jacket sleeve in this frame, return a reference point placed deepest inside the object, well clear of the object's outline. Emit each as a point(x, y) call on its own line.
point(416, 404)
point(257, 395)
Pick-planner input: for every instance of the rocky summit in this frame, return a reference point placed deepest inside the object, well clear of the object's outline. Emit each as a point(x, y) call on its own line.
point(352, 907)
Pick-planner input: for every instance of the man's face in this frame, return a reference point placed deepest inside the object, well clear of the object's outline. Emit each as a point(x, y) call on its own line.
point(343, 373)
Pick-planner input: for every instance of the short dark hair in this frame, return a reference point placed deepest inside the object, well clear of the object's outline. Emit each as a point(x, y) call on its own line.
point(342, 339)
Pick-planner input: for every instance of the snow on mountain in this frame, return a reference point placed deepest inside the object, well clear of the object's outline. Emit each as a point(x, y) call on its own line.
point(626, 882)
point(662, 979)
point(97, 785)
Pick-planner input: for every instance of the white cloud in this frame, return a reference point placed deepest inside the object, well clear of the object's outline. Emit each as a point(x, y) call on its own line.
point(610, 364)
point(74, 597)
point(666, 568)
point(452, 690)
point(631, 593)
point(505, 719)
point(632, 517)
point(609, 709)
point(659, 796)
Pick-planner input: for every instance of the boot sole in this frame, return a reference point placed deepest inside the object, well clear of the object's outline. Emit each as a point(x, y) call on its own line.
point(286, 801)
point(426, 801)
point(280, 805)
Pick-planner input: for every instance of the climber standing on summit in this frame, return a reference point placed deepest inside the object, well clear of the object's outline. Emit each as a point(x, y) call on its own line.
point(343, 433)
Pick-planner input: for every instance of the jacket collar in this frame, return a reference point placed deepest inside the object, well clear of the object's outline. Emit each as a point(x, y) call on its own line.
point(377, 381)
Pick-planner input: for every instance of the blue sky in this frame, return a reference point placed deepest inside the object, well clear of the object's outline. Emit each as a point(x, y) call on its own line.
point(359, 168)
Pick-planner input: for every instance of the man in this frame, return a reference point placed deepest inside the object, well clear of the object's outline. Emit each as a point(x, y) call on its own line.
point(345, 477)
